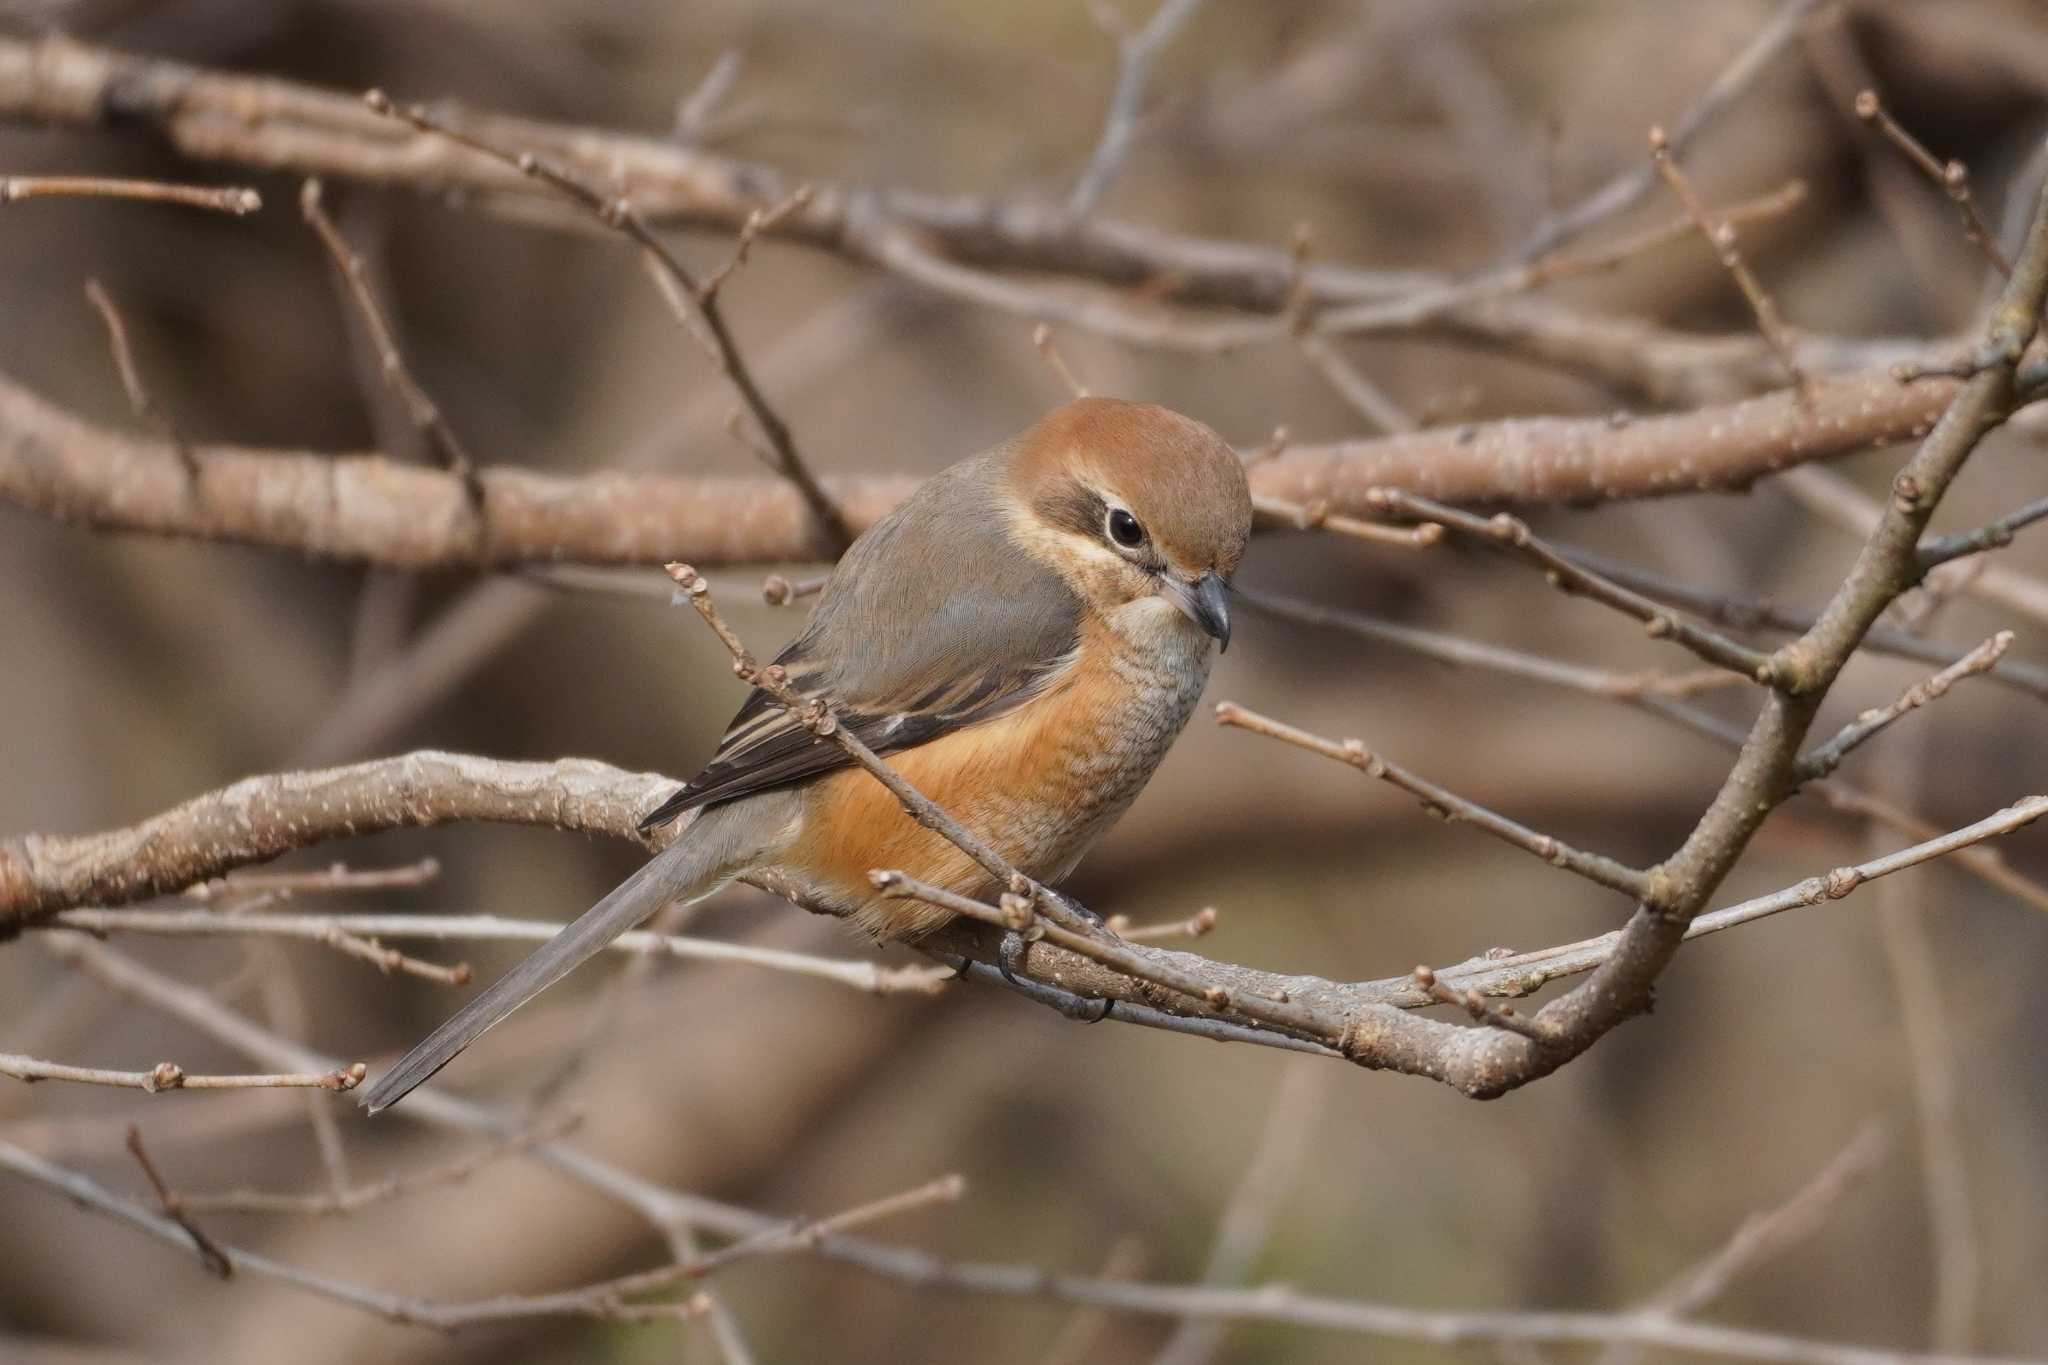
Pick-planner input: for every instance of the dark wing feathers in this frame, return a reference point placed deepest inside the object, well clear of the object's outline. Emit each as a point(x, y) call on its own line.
point(933, 621)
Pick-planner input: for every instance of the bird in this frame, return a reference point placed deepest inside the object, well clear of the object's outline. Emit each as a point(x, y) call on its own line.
point(1023, 638)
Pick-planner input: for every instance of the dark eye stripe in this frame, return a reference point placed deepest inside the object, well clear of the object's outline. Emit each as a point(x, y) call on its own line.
point(1073, 507)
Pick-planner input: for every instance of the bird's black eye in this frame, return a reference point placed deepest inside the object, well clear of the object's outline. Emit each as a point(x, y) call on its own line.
point(1124, 529)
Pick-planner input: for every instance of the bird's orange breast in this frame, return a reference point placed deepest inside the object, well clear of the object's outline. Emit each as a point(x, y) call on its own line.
point(1039, 784)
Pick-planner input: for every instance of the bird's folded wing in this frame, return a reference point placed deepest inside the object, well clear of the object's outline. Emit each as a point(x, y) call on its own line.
point(904, 651)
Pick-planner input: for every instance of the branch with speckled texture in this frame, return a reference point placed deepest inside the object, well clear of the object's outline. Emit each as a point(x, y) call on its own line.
point(370, 508)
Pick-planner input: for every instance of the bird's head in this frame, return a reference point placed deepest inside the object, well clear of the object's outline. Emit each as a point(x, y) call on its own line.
point(1137, 507)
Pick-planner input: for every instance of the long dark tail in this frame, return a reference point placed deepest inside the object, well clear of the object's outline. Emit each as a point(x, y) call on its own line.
point(686, 870)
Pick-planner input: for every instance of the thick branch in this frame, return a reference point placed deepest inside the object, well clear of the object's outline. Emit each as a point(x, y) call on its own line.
point(368, 508)
point(259, 818)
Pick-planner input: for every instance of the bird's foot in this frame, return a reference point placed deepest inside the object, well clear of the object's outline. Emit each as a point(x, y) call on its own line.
point(1086, 1009)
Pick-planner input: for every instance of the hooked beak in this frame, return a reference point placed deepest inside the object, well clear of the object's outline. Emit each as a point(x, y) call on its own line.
point(1205, 601)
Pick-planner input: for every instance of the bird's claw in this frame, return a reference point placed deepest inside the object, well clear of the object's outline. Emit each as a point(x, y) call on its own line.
point(1010, 962)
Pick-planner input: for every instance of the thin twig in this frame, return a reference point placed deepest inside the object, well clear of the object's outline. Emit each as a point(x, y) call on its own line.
point(1525, 972)
point(334, 877)
point(425, 414)
point(758, 221)
point(1741, 611)
point(1513, 536)
point(697, 308)
point(1135, 54)
point(353, 1198)
point(1993, 535)
point(1767, 1234)
point(166, 1076)
point(1722, 237)
point(778, 591)
point(339, 932)
point(1273, 1303)
point(131, 382)
point(1475, 1004)
point(1317, 516)
point(1285, 1140)
point(1049, 352)
point(1628, 186)
point(868, 977)
point(1594, 867)
point(1641, 692)
point(1078, 1342)
point(1365, 397)
point(1824, 758)
point(228, 199)
point(1422, 305)
point(1196, 925)
point(1952, 177)
point(695, 110)
point(1278, 1008)
point(1832, 497)
point(210, 1254)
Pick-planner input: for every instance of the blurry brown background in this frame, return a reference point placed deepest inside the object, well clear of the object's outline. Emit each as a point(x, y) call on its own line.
point(135, 672)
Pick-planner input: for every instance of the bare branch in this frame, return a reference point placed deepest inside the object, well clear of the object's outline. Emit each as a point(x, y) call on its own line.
point(1594, 867)
point(1475, 1004)
point(1420, 305)
point(1194, 926)
point(1135, 54)
point(1740, 611)
point(1277, 1304)
point(351, 1199)
point(1513, 536)
point(1767, 1234)
point(165, 1076)
point(333, 877)
point(259, 818)
point(695, 304)
point(758, 221)
point(366, 508)
point(1643, 694)
point(1722, 237)
point(1994, 535)
point(258, 121)
point(230, 199)
point(661, 1206)
point(1200, 996)
point(1952, 178)
point(1523, 973)
point(1248, 1218)
point(131, 380)
point(1836, 500)
point(867, 977)
point(210, 1254)
point(1317, 516)
point(778, 591)
point(1177, 972)
point(1041, 338)
point(401, 1308)
point(425, 414)
point(1626, 188)
point(1825, 758)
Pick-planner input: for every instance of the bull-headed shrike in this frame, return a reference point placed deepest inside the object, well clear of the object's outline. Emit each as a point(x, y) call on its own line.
point(1023, 638)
